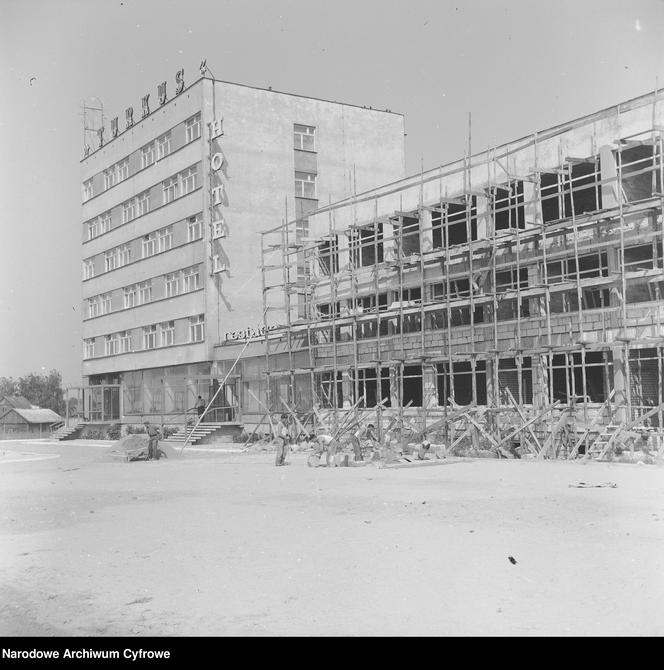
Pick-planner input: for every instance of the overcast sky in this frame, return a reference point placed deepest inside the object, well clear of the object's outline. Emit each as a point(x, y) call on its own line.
point(516, 66)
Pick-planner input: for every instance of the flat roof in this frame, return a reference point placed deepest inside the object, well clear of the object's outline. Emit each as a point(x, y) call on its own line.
point(232, 83)
point(436, 172)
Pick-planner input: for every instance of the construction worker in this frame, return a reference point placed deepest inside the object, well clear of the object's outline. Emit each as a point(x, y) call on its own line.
point(283, 438)
point(154, 435)
point(364, 437)
point(329, 445)
point(200, 407)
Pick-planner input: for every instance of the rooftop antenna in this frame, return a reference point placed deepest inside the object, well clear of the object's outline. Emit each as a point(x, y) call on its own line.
point(93, 120)
point(205, 69)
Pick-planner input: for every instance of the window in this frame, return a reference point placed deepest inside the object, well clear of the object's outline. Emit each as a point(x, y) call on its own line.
point(125, 341)
point(305, 185)
point(639, 258)
point(567, 373)
point(150, 337)
point(147, 155)
point(590, 266)
point(330, 391)
point(188, 178)
point(406, 230)
point(460, 383)
point(105, 222)
point(110, 260)
point(110, 177)
point(88, 190)
point(124, 255)
point(165, 239)
point(93, 307)
point(106, 303)
point(170, 188)
point(328, 256)
point(190, 279)
point(123, 170)
point(520, 386)
point(459, 315)
point(93, 228)
point(130, 296)
point(586, 193)
point(143, 203)
point(89, 348)
point(192, 128)
point(367, 245)
point(163, 146)
point(173, 284)
point(195, 227)
point(167, 333)
point(88, 268)
point(111, 344)
point(510, 280)
point(508, 208)
point(411, 384)
point(644, 382)
point(145, 292)
point(640, 174)
point(450, 226)
point(149, 245)
point(129, 210)
point(304, 137)
point(197, 328)
point(367, 386)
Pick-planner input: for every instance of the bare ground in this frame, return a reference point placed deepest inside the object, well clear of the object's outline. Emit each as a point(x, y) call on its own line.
point(227, 544)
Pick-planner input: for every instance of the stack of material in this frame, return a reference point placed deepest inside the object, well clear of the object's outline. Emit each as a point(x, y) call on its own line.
point(135, 448)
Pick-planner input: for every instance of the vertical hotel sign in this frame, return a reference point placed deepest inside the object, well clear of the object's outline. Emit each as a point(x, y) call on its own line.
point(218, 197)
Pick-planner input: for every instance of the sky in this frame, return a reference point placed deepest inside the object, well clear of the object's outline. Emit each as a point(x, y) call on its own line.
point(515, 66)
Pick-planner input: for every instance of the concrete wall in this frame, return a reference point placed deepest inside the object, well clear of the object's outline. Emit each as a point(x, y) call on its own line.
point(258, 176)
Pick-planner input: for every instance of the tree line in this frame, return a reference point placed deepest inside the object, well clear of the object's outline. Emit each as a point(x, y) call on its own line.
point(43, 390)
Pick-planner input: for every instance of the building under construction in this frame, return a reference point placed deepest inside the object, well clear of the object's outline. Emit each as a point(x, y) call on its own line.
point(515, 294)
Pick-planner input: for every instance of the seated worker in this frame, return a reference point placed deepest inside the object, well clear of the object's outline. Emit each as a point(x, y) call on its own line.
point(423, 449)
point(329, 445)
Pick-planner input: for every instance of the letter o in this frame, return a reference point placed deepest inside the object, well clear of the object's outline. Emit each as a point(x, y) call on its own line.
point(217, 161)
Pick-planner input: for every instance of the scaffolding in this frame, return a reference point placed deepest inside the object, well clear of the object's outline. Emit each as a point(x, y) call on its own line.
point(533, 297)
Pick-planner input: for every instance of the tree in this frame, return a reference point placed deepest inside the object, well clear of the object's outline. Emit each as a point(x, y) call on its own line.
point(42, 390)
point(8, 386)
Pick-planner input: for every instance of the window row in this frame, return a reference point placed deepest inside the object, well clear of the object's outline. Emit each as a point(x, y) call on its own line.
point(163, 193)
point(175, 283)
point(573, 191)
point(180, 184)
point(571, 378)
point(156, 335)
point(116, 173)
point(153, 243)
point(159, 148)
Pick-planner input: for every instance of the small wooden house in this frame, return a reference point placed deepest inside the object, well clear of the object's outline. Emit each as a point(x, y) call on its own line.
point(30, 422)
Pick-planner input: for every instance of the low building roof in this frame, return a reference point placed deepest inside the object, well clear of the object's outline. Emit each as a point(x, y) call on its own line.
point(17, 401)
point(36, 415)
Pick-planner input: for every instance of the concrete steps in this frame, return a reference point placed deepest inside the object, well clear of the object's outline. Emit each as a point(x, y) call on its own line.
point(68, 433)
point(202, 431)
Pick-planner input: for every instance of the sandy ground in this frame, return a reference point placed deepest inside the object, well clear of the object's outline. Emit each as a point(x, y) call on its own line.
point(219, 544)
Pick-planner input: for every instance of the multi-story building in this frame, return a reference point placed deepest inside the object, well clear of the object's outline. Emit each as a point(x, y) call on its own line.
point(172, 205)
point(535, 268)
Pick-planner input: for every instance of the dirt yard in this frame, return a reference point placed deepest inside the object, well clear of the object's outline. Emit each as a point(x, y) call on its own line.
point(226, 544)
